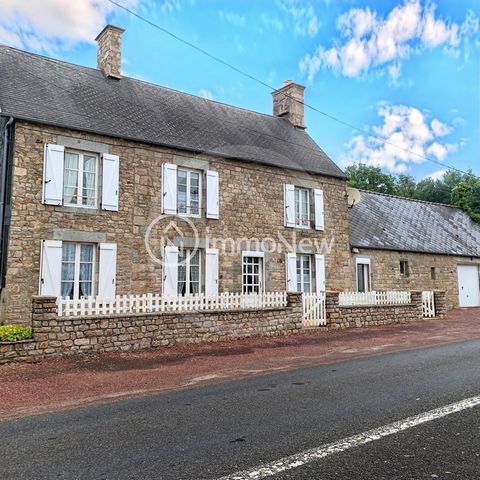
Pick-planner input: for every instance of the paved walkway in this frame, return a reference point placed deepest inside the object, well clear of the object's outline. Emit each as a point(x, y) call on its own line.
point(55, 385)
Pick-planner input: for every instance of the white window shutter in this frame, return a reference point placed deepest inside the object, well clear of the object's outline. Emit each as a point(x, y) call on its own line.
point(212, 195)
point(291, 271)
point(211, 271)
point(319, 215)
point(110, 182)
point(170, 271)
point(289, 205)
point(107, 270)
point(169, 189)
point(51, 268)
point(320, 273)
point(53, 160)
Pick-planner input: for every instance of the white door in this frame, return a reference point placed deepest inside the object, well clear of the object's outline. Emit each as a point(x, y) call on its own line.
point(468, 286)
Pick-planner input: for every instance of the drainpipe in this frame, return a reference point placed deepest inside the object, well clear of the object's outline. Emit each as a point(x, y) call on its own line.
point(3, 199)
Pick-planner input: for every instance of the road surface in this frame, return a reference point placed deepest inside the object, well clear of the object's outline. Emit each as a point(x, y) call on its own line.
point(219, 431)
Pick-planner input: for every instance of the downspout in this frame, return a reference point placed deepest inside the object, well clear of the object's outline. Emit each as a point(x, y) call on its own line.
point(3, 201)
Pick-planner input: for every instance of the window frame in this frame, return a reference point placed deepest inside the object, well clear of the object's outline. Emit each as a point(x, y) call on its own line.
point(433, 273)
point(80, 171)
point(404, 265)
point(261, 275)
point(367, 273)
point(301, 283)
point(296, 204)
point(189, 171)
point(187, 266)
point(76, 273)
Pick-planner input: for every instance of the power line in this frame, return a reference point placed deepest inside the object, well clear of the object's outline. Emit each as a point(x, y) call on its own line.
point(270, 87)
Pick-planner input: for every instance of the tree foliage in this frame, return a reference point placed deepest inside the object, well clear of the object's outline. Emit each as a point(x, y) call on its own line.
point(454, 188)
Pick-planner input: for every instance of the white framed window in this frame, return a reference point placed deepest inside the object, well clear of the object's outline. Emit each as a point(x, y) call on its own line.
point(189, 272)
point(304, 273)
point(189, 188)
point(302, 207)
point(80, 179)
point(78, 270)
point(363, 274)
point(252, 272)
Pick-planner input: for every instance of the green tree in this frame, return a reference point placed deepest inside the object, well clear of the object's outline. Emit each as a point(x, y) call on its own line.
point(370, 178)
point(405, 186)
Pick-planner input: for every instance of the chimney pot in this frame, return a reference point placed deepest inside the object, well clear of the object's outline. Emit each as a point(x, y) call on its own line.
point(109, 51)
point(288, 103)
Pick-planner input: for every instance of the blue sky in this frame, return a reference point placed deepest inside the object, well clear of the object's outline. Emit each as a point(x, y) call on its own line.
point(406, 71)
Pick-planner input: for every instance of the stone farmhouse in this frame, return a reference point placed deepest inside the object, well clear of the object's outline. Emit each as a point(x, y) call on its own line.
point(95, 163)
point(92, 158)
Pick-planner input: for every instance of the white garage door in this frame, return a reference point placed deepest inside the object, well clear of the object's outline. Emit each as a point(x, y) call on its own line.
point(468, 286)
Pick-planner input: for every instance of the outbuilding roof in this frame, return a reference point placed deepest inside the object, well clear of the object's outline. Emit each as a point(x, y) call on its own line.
point(53, 92)
point(387, 222)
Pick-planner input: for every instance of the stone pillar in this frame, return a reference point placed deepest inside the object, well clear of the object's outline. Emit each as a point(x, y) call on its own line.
point(416, 298)
point(294, 299)
point(44, 309)
point(109, 51)
point(440, 299)
point(332, 310)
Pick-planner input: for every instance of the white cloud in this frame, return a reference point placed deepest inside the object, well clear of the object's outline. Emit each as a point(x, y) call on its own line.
point(48, 25)
point(368, 40)
point(437, 175)
point(206, 94)
point(405, 127)
point(302, 16)
point(233, 18)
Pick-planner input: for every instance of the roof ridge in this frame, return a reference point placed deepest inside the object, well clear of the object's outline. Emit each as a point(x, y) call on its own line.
point(410, 199)
point(156, 85)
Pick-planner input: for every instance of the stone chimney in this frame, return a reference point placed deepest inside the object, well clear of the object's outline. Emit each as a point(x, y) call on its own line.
point(109, 52)
point(288, 103)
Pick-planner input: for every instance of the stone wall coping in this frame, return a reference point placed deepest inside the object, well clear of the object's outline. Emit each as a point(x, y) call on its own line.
point(372, 305)
point(156, 314)
point(29, 340)
point(44, 298)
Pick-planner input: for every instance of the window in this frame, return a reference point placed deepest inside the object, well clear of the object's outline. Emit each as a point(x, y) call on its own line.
point(189, 272)
point(188, 192)
point(252, 277)
point(304, 273)
point(433, 273)
point(404, 268)
point(302, 207)
point(80, 179)
point(78, 270)
point(363, 274)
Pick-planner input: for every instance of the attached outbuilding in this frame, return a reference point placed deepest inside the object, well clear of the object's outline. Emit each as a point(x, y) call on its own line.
point(400, 243)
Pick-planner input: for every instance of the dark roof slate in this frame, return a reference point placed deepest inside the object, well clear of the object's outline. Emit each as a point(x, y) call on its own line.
point(49, 91)
point(386, 222)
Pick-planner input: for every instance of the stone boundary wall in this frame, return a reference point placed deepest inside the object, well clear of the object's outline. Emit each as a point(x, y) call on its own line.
point(371, 315)
point(60, 336)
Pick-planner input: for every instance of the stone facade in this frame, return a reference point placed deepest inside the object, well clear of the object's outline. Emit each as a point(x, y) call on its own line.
point(385, 272)
point(251, 206)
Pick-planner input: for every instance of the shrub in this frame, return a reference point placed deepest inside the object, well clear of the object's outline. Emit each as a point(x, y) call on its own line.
point(14, 333)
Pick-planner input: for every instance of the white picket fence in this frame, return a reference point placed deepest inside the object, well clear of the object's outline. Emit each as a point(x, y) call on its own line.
point(428, 304)
point(352, 299)
point(149, 302)
point(314, 311)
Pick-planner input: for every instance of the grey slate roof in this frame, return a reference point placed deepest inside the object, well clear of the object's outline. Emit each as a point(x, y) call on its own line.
point(386, 222)
point(49, 91)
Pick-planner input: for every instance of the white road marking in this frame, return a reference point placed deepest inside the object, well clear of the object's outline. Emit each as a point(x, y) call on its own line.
point(314, 454)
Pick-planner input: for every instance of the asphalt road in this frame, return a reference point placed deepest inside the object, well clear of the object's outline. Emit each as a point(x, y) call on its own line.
point(214, 431)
